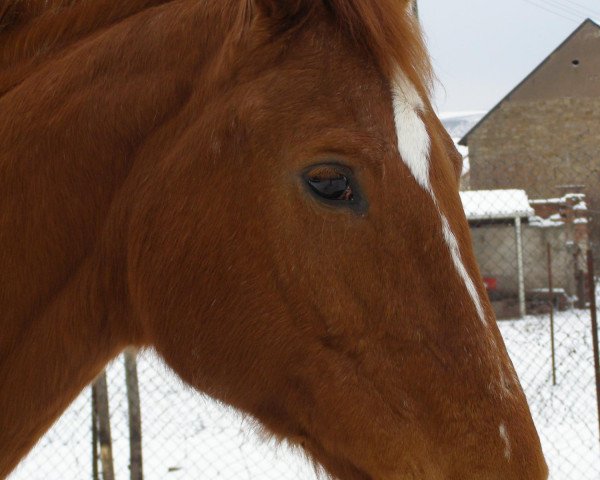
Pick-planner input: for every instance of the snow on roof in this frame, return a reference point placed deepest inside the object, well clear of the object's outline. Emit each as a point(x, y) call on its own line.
point(496, 204)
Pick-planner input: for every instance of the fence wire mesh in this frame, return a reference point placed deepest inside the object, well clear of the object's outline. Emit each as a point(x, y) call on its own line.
point(536, 275)
point(525, 233)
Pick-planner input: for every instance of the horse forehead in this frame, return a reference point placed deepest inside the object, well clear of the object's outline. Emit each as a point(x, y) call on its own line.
point(350, 102)
point(413, 138)
point(326, 67)
point(414, 147)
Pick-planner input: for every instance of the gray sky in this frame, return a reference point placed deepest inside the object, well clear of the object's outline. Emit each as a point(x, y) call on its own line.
point(482, 48)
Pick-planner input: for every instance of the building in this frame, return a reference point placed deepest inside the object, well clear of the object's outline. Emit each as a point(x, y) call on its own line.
point(511, 239)
point(544, 136)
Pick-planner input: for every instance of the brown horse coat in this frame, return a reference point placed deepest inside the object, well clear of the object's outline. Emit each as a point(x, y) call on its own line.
point(154, 158)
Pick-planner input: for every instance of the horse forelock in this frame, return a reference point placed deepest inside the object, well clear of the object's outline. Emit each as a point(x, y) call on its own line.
point(391, 33)
point(385, 29)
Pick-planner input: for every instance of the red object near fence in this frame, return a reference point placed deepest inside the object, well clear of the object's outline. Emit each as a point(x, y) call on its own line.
point(490, 283)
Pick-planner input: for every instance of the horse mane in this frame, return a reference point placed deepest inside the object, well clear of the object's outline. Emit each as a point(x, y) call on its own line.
point(385, 28)
point(28, 27)
point(14, 13)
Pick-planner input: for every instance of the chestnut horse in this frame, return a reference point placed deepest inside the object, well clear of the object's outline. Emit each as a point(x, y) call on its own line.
point(260, 191)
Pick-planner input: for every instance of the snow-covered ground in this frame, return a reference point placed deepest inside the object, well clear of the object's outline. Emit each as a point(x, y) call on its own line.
point(565, 414)
point(186, 436)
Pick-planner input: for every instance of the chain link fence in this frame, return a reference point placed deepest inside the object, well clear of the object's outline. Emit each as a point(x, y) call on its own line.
point(531, 242)
point(532, 245)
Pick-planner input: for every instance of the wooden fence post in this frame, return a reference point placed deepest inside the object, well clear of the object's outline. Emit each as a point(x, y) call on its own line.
point(95, 473)
point(101, 395)
point(135, 416)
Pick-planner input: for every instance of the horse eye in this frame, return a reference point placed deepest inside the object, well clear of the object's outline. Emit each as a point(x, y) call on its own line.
point(330, 184)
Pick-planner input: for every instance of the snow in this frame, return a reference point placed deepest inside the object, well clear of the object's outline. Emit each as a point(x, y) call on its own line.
point(574, 196)
point(460, 114)
point(495, 204)
point(566, 414)
point(578, 199)
point(546, 290)
point(540, 222)
point(459, 123)
point(187, 436)
point(544, 201)
point(466, 168)
point(464, 151)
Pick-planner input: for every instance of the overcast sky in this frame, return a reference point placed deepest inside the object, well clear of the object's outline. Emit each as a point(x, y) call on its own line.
point(481, 48)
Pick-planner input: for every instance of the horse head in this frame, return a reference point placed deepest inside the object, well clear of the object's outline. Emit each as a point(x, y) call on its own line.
point(301, 252)
point(261, 191)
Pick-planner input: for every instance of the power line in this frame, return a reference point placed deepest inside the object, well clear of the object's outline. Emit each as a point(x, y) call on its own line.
point(549, 9)
point(568, 9)
point(554, 12)
point(584, 7)
point(564, 8)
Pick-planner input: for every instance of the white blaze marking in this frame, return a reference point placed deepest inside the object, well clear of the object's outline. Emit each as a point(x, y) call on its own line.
point(460, 266)
point(504, 436)
point(414, 147)
point(413, 139)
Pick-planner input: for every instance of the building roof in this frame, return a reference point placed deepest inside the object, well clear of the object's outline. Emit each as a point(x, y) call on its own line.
point(586, 23)
point(496, 204)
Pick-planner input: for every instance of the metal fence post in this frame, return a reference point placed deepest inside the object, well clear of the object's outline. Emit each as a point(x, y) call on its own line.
point(520, 269)
point(551, 300)
point(594, 318)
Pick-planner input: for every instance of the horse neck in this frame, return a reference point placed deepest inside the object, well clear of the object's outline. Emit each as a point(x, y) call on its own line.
point(67, 177)
point(50, 359)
